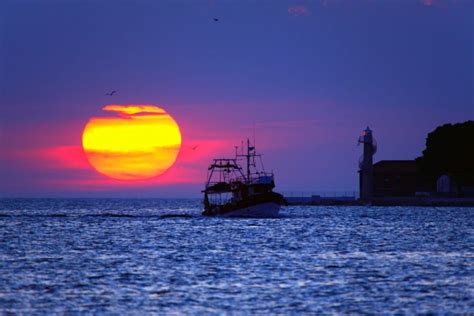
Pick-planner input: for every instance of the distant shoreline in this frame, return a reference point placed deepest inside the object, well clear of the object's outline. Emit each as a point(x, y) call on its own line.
point(394, 201)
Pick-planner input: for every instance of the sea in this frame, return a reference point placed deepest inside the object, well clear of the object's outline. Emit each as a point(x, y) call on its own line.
point(147, 256)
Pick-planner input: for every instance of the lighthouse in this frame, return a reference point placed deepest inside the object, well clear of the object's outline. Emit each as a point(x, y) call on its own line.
point(366, 171)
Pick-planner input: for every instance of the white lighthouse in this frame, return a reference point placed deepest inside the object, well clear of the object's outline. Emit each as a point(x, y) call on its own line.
point(366, 173)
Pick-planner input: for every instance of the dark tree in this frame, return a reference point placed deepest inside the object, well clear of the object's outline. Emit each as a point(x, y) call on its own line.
point(450, 150)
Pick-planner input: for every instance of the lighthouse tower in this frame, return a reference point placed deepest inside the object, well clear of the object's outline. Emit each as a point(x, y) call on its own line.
point(366, 173)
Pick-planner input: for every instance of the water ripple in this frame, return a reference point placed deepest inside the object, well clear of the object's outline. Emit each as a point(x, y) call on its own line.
point(160, 256)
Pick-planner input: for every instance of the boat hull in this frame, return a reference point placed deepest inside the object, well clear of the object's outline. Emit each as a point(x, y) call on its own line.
point(262, 205)
point(264, 210)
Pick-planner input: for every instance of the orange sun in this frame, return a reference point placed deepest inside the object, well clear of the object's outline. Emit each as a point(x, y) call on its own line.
point(141, 142)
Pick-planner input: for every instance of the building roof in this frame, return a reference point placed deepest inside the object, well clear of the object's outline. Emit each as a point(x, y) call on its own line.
point(396, 166)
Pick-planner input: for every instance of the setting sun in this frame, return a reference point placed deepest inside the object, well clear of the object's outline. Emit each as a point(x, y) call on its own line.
point(139, 142)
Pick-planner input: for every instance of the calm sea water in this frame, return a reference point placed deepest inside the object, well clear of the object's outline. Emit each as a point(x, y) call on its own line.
point(123, 256)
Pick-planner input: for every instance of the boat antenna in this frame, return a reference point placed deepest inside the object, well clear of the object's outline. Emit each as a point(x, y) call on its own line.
point(254, 134)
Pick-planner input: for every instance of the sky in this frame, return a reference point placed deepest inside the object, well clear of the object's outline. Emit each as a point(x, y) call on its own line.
point(306, 77)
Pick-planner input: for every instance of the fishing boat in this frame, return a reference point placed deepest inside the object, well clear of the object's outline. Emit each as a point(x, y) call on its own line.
point(233, 191)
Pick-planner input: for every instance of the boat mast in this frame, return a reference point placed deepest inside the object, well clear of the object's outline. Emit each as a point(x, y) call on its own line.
point(250, 156)
point(248, 160)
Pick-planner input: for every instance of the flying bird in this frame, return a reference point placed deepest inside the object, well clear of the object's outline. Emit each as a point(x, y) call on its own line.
point(111, 93)
point(216, 20)
point(194, 148)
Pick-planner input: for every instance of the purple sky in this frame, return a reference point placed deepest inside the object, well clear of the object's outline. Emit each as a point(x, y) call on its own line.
point(309, 75)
